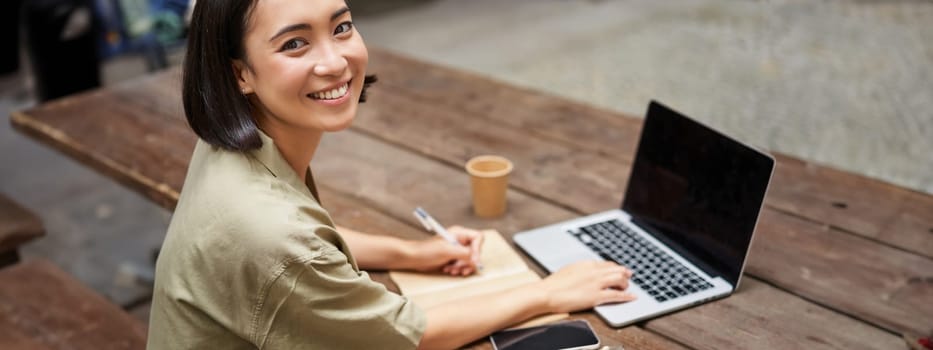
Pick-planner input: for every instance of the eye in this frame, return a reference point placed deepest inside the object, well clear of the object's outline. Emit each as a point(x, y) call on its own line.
point(294, 44)
point(343, 28)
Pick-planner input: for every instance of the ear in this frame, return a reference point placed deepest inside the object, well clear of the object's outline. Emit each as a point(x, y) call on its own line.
point(244, 77)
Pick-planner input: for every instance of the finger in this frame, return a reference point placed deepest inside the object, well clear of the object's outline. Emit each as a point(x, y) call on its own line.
point(469, 267)
point(464, 267)
point(464, 235)
point(610, 270)
point(455, 252)
point(458, 252)
point(455, 270)
point(615, 280)
point(472, 241)
point(615, 296)
point(458, 263)
point(476, 247)
point(625, 272)
point(607, 264)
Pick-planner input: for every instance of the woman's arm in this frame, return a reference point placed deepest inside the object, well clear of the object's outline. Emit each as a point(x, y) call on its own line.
point(576, 287)
point(432, 254)
point(377, 252)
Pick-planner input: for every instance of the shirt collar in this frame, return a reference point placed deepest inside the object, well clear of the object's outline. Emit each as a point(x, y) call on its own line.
point(270, 157)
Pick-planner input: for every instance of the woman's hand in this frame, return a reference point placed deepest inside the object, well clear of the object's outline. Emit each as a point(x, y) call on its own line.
point(436, 254)
point(586, 284)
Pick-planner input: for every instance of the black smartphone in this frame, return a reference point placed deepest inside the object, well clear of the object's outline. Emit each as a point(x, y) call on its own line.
point(567, 335)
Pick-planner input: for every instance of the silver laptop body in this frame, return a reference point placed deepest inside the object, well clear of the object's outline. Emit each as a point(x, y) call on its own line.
point(685, 226)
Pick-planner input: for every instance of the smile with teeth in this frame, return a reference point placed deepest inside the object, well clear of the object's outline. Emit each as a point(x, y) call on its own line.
point(331, 94)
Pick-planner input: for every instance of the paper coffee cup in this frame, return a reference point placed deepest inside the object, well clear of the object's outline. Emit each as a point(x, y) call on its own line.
point(489, 178)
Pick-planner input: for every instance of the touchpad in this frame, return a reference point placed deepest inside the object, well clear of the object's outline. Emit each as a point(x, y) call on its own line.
point(554, 249)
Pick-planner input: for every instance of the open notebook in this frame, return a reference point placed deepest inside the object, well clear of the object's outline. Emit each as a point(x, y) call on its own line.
point(503, 268)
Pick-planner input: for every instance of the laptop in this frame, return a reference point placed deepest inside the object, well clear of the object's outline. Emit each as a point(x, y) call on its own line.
point(685, 225)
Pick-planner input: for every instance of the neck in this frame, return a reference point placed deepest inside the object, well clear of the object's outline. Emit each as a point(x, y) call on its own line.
point(296, 145)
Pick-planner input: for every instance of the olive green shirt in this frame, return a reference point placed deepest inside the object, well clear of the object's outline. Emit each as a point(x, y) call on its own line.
point(252, 261)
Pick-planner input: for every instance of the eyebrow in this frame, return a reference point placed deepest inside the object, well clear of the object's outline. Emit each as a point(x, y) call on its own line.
point(305, 26)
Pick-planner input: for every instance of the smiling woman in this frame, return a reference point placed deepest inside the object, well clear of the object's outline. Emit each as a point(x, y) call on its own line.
point(224, 117)
point(251, 258)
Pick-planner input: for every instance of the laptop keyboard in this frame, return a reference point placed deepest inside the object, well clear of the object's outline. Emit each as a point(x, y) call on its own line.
point(654, 270)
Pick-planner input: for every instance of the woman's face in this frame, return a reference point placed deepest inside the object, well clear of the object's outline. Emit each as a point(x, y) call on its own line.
point(305, 64)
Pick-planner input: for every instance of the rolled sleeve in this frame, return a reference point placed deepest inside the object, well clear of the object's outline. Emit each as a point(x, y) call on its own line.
point(322, 302)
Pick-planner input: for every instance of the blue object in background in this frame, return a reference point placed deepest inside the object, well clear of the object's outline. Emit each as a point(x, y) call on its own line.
point(141, 27)
point(178, 7)
point(111, 41)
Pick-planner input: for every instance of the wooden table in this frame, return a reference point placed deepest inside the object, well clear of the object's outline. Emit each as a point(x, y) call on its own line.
point(839, 260)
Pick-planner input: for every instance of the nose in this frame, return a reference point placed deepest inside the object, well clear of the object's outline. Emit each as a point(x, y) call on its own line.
point(330, 62)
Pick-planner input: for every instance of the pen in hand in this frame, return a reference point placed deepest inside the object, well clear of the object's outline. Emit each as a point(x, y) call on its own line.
point(432, 225)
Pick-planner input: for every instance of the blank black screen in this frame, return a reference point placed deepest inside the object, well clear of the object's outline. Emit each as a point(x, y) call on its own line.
point(697, 190)
point(562, 335)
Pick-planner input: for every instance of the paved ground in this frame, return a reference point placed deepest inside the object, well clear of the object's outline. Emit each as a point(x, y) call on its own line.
point(843, 83)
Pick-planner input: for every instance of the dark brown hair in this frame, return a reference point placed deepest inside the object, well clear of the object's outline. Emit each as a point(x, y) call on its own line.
point(215, 108)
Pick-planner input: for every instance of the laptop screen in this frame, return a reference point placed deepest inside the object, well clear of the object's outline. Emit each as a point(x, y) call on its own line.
point(697, 190)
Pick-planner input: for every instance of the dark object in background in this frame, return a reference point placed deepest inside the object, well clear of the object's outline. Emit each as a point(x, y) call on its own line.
point(61, 42)
point(9, 35)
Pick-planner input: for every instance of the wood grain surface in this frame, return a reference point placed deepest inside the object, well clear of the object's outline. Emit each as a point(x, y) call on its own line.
point(42, 307)
point(18, 225)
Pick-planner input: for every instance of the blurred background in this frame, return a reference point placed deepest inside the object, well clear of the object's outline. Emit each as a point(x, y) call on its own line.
point(844, 83)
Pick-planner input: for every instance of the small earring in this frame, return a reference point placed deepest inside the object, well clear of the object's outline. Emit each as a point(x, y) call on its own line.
point(243, 90)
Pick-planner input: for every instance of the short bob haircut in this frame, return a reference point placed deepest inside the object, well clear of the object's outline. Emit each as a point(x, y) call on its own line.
point(215, 108)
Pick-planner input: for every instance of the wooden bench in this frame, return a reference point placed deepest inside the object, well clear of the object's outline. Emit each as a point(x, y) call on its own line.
point(17, 226)
point(42, 307)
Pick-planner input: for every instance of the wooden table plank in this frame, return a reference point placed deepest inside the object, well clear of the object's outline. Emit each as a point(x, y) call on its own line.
point(804, 189)
point(855, 203)
point(41, 307)
point(553, 117)
point(405, 180)
point(96, 127)
point(546, 169)
point(454, 136)
point(17, 226)
point(848, 273)
point(746, 327)
point(914, 216)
